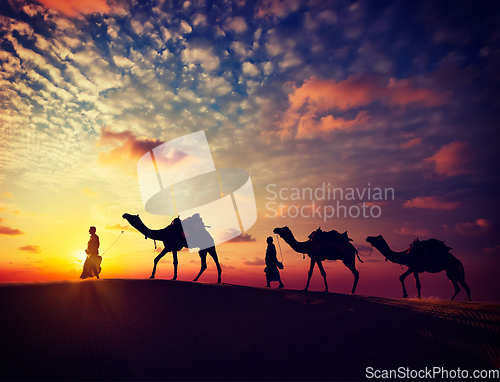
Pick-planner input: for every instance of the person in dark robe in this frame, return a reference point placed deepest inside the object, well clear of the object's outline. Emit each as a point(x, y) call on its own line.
point(272, 264)
point(92, 265)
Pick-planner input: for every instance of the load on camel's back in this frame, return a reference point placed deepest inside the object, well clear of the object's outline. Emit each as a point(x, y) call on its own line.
point(422, 252)
point(329, 241)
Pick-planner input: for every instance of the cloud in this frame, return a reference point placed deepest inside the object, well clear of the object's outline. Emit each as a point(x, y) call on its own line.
point(201, 55)
point(290, 59)
point(88, 191)
point(73, 8)
point(404, 92)
point(186, 28)
point(250, 69)
point(431, 202)
point(276, 8)
point(120, 227)
point(10, 210)
point(411, 143)
point(128, 148)
point(480, 226)
point(243, 238)
point(200, 19)
point(309, 126)
point(7, 194)
point(362, 247)
point(4, 230)
point(317, 97)
point(452, 159)
point(31, 248)
point(492, 250)
point(410, 229)
point(257, 261)
point(237, 24)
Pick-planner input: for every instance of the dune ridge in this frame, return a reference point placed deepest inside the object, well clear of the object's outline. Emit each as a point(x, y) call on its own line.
point(175, 330)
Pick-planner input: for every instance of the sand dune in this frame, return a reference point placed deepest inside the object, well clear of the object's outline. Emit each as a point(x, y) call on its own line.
point(173, 330)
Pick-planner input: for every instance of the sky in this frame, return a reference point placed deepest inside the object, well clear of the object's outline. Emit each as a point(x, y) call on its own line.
point(393, 104)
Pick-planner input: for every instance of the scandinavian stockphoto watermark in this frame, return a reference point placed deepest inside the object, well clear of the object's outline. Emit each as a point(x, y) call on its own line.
point(179, 178)
point(326, 201)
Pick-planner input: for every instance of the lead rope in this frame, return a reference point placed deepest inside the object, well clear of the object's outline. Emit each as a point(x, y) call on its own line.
point(120, 235)
point(281, 254)
point(113, 243)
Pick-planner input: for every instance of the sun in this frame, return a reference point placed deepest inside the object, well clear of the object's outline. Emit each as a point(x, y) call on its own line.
point(77, 257)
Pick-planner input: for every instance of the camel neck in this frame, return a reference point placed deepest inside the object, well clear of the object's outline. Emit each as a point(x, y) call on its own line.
point(297, 246)
point(392, 256)
point(137, 223)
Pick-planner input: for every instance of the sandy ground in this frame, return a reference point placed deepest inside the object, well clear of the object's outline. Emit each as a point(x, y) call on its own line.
point(174, 330)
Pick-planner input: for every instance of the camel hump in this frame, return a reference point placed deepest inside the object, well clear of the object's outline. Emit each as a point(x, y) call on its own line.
point(194, 228)
point(434, 245)
point(330, 236)
point(438, 245)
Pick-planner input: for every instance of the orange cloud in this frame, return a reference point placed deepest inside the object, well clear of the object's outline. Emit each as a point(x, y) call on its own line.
point(316, 97)
point(9, 210)
point(121, 227)
point(276, 8)
point(128, 148)
point(7, 194)
point(4, 230)
point(431, 202)
point(408, 229)
point(478, 227)
point(492, 250)
point(308, 126)
point(74, 8)
point(257, 261)
point(404, 92)
point(452, 159)
point(243, 238)
point(31, 248)
point(411, 143)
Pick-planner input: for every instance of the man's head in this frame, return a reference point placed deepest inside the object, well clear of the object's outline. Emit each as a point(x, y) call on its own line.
point(269, 240)
point(92, 230)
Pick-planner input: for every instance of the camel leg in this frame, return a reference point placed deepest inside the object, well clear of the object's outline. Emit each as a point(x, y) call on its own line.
point(310, 273)
point(466, 287)
point(402, 279)
point(203, 257)
point(212, 252)
point(457, 288)
point(323, 273)
point(157, 259)
point(417, 283)
point(352, 268)
point(174, 254)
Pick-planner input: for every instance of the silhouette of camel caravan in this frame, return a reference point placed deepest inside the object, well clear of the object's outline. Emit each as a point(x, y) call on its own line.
point(174, 240)
point(431, 256)
point(324, 245)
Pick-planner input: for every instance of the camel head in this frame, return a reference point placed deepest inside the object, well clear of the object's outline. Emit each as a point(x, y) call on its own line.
point(134, 220)
point(128, 216)
point(375, 240)
point(283, 231)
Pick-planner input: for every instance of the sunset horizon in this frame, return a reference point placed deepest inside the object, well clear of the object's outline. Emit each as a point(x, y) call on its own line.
point(375, 118)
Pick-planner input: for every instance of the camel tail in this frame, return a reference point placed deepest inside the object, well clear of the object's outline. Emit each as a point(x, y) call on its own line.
point(462, 269)
point(357, 254)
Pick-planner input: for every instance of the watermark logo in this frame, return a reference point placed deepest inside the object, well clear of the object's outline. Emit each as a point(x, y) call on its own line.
point(327, 202)
point(179, 178)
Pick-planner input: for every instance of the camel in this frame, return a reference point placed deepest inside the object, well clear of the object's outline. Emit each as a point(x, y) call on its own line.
point(431, 256)
point(173, 238)
point(345, 252)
